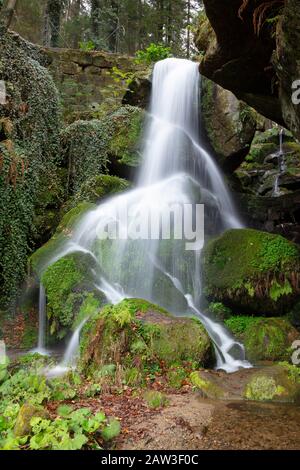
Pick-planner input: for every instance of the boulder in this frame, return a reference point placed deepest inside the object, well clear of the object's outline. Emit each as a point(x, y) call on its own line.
point(251, 271)
point(265, 339)
point(278, 384)
point(97, 188)
point(27, 412)
point(135, 333)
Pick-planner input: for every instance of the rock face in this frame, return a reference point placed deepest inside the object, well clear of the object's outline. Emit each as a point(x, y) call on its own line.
point(111, 144)
point(85, 80)
point(262, 207)
point(237, 58)
point(135, 333)
point(287, 63)
point(251, 271)
point(230, 124)
point(244, 56)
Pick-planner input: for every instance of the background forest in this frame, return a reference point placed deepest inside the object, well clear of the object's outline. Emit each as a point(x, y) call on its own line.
point(123, 26)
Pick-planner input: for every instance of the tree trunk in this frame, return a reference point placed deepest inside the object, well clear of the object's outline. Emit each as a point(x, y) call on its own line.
point(7, 13)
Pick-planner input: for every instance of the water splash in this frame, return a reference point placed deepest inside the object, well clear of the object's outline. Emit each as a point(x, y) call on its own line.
point(71, 356)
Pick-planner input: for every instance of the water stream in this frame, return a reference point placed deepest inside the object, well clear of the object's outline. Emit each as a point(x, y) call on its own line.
point(176, 171)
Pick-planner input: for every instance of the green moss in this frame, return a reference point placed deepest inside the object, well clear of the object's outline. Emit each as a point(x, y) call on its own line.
point(264, 338)
point(99, 187)
point(84, 151)
point(138, 332)
point(40, 259)
point(69, 299)
point(207, 387)
point(128, 125)
point(263, 388)
point(239, 324)
point(252, 270)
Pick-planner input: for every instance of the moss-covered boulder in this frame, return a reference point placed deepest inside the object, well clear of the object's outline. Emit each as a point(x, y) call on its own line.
point(279, 383)
point(124, 128)
point(50, 250)
point(206, 386)
point(71, 296)
point(230, 124)
point(252, 272)
point(136, 333)
point(99, 187)
point(26, 413)
point(265, 339)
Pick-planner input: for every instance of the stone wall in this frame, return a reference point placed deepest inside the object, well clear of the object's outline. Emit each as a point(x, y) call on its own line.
point(87, 82)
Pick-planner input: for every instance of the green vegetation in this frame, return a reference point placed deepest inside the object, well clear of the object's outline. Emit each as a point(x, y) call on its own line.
point(25, 422)
point(264, 338)
point(206, 386)
point(28, 149)
point(153, 53)
point(155, 399)
point(252, 271)
point(141, 337)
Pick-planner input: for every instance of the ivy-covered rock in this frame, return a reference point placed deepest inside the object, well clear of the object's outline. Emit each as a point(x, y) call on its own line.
point(136, 333)
point(267, 339)
point(29, 123)
point(230, 124)
point(124, 128)
point(253, 272)
point(92, 148)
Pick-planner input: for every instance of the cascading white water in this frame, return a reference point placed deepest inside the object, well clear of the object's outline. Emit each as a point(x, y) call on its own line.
point(71, 355)
point(176, 169)
point(41, 347)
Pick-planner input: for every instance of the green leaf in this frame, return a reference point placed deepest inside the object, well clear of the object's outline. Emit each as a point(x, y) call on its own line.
point(64, 411)
point(111, 431)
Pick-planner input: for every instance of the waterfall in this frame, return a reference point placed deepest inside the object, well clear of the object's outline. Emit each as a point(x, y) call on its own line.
point(70, 357)
point(41, 347)
point(281, 166)
point(178, 171)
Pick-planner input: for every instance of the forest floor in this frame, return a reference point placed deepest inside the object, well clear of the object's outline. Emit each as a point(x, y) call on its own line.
point(190, 422)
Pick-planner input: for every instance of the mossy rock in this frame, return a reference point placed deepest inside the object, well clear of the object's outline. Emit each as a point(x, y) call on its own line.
point(135, 333)
point(273, 384)
point(99, 187)
point(26, 413)
point(265, 339)
point(42, 257)
point(224, 115)
point(206, 386)
point(70, 297)
point(252, 272)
